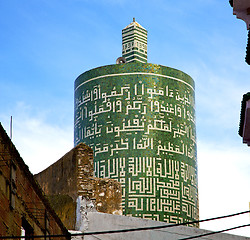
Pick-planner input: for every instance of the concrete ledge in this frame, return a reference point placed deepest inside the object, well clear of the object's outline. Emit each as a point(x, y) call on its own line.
point(105, 222)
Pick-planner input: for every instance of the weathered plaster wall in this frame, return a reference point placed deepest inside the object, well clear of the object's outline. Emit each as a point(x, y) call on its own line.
point(73, 176)
point(106, 222)
point(60, 177)
point(65, 208)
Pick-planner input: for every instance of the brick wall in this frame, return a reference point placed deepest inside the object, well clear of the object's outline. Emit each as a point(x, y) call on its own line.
point(22, 202)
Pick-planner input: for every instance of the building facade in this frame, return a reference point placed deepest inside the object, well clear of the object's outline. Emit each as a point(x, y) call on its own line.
point(241, 9)
point(139, 118)
point(24, 209)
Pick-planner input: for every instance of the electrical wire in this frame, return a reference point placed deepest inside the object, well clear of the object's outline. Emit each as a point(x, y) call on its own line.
point(136, 229)
point(212, 233)
point(163, 226)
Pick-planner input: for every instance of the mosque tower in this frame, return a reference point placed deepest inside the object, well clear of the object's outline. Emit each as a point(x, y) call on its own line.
point(139, 118)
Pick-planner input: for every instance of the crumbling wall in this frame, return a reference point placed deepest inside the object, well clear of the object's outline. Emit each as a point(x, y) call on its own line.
point(105, 192)
point(60, 177)
point(73, 176)
point(59, 182)
point(65, 209)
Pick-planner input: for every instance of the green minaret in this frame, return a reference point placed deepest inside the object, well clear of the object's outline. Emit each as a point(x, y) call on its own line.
point(134, 43)
point(139, 118)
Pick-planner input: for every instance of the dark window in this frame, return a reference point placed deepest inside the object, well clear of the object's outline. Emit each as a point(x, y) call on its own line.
point(27, 230)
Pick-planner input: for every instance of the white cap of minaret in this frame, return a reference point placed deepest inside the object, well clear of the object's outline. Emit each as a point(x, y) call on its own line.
point(134, 42)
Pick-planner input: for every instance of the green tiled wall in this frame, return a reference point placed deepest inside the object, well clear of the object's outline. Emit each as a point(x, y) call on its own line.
point(139, 118)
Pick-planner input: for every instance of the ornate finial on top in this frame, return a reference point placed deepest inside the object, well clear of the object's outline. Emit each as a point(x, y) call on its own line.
point(133, 19)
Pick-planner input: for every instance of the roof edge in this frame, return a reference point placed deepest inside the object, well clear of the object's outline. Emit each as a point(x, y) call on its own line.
point(245, 98)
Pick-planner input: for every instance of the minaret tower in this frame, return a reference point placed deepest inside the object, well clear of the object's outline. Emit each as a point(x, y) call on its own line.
point(134, 42)
point(139, 118)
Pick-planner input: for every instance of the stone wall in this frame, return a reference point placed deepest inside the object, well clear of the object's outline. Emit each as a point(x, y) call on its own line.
point(105, 192)
point(72, 177)
point(60, 177)
point(65, 208)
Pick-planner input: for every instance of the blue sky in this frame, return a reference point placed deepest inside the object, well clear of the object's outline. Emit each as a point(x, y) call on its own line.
point(45, 45)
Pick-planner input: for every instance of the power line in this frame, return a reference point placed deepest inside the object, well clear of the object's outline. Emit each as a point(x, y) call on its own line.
point(163, 226)
point(135, 229)
point(212, 233)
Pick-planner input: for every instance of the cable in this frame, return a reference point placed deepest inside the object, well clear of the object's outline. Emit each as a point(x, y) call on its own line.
point(164, 226)
point(133, 229)
point(211, 233)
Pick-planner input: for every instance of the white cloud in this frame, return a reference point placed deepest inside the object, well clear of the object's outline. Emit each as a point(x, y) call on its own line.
point(224, 185)
point(39, 143)
point(218, 102)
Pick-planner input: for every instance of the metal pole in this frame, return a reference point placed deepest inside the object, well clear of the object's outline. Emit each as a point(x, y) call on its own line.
point(11, 127)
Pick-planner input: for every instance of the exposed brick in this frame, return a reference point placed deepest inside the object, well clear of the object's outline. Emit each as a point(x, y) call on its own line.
point(30, 201)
